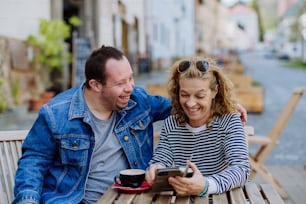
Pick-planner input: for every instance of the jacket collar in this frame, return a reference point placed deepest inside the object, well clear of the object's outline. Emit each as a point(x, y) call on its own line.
point(78, 107)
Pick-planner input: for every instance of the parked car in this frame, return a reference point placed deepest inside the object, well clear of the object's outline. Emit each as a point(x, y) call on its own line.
point(283, 56)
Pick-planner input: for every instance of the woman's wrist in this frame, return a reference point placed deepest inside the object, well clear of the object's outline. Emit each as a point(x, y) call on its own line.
point(205, 189)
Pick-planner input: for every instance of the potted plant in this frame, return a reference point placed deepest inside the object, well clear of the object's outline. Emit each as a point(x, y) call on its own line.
point(16, 91)
point(3, 100)
point(50, 50)
point(51, 54)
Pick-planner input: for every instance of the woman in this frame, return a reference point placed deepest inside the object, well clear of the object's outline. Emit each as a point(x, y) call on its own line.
point(204, 123)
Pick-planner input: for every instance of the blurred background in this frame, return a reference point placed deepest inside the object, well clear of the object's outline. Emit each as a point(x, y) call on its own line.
point(44, 43)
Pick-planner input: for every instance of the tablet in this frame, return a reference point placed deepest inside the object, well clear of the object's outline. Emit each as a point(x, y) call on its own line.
point(161, 181)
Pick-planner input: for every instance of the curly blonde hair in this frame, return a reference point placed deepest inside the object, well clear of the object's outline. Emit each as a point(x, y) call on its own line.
point(224, 101)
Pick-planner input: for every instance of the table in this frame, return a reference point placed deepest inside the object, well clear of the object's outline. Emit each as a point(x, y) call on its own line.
point(250, 193)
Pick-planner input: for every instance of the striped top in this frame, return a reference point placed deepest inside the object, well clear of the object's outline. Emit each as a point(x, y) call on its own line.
point(220, 153)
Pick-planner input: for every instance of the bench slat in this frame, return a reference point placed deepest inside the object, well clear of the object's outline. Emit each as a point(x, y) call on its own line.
point(253, 193)
point(270, 193)
point(202, 200)
point(10, 152)
point(237, 196)
point(220, 199)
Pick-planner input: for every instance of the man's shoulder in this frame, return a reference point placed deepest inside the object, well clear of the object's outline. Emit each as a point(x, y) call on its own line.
point(139, 89)
point(139, 93)
point(64, 99)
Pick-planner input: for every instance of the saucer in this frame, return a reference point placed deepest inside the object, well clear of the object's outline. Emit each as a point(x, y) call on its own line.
point(144, 186)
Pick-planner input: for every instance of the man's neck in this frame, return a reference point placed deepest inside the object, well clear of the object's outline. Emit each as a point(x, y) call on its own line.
point(95, 105)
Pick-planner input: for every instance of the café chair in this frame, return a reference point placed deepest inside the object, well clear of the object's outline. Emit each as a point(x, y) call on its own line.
point(10, 152)
point(267, 143)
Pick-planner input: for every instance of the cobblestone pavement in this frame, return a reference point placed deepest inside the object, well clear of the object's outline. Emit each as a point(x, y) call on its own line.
point(278, 81)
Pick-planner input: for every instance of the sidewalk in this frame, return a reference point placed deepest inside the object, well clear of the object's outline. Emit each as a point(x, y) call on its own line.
point(17, 119)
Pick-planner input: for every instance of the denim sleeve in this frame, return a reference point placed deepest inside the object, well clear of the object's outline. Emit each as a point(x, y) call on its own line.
point(160, 107)
point(38, 151)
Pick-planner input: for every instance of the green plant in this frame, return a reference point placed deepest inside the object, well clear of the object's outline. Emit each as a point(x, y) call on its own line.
point(3, 100)
point(16, 92)
point(52, 52)
point(297, 64)
point(256, 83)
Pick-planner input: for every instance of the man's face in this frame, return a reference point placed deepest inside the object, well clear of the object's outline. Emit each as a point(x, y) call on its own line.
point(119, 84)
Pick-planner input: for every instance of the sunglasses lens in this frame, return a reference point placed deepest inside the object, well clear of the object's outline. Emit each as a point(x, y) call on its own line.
point(183, 66)
point(202, 65)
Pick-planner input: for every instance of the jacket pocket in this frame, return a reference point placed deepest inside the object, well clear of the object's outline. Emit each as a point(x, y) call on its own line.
point(139, 128)
point(74, 151)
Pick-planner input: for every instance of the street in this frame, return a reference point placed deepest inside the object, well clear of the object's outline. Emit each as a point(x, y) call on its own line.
point(279, 81)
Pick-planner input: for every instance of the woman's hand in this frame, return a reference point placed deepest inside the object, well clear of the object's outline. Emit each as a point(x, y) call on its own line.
point(150, 173)
point(188, 186)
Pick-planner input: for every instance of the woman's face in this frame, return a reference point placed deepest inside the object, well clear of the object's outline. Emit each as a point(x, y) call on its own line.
point(196, 100)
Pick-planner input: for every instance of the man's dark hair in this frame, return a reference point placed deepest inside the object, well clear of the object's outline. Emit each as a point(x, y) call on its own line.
point(95, 64)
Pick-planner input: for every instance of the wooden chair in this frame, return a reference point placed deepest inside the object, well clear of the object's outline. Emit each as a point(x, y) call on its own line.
point(10, 152)
point(267, 143)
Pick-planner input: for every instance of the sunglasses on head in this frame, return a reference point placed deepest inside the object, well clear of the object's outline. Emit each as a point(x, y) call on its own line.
point(202, 66)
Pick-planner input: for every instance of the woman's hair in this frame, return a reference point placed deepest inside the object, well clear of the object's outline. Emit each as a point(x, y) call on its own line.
point(95, 64)
point(223, 103)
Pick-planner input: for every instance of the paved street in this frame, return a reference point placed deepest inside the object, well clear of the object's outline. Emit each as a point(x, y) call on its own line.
point(278, 82)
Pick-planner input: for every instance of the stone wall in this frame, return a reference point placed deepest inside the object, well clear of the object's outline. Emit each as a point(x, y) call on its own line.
point(22, 79)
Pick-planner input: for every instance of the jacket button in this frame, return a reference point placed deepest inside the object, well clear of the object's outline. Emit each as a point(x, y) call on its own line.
point(135, 163)
point(140, 124)
point(74, 144)
point(126, 138)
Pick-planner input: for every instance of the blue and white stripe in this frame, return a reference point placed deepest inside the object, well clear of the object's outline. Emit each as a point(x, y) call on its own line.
point(220, 152)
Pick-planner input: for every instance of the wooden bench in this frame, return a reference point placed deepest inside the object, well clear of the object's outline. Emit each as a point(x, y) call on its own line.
point(241, 80)
point(10, 152)
point(233, 68)
point(157, 89)
point(251, 98)
point(250, 193)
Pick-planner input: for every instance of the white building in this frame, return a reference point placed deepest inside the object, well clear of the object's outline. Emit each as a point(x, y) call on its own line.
point(170, 30)
point(247, 34)
point(19, 18)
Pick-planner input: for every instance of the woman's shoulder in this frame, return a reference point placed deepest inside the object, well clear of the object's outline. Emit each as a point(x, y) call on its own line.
point(170, 120)
point(171, 123)
point(229, 119)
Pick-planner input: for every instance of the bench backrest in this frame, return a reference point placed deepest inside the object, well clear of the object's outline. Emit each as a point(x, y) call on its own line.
point(10, 152)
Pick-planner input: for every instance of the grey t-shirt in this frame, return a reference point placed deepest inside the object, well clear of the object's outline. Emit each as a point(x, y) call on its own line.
point(107, 161)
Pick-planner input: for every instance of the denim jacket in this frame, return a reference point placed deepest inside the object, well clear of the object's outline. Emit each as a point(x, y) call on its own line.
point(58, 149)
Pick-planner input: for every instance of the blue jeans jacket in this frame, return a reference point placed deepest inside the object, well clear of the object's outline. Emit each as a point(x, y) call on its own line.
point(58, 149)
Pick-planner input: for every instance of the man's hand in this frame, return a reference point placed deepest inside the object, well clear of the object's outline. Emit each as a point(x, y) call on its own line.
point(243, 113)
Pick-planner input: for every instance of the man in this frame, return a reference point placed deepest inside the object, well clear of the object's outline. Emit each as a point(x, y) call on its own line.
point(86, 135)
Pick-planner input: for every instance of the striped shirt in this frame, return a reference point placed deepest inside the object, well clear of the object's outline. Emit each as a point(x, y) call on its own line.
point(220, 153)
